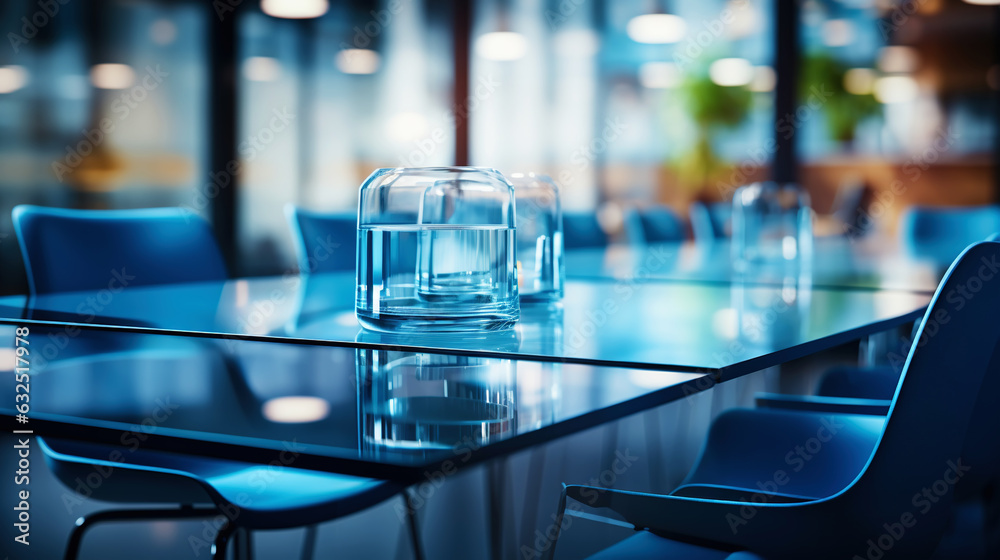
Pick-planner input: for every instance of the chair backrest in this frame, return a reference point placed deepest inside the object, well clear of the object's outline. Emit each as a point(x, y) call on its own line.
point(916, 463)
point(710, 222)
point(582, 230)
point(69, 250)
point(942, 233)
point(323, 242)
point(657, 224)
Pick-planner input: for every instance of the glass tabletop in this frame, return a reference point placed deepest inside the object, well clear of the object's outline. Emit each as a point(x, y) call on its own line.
point(727, 329)
point(372, 412)
point(836, 262)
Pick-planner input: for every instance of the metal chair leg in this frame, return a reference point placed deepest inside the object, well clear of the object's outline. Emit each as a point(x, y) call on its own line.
point(413, 525)
point(309, 542)
point(84, 524)
point(242, 545)
point(222, 541)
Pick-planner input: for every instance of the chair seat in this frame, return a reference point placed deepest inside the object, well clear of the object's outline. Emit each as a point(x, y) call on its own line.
point(801, 455)
point(265, 496)
point(647, 546)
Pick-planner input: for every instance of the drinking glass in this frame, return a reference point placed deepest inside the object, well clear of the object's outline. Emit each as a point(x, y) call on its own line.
point(539, 238)
point(436, 250)
point(772, 225)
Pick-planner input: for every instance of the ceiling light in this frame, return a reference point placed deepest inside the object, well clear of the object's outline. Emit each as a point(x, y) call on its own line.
point(296, 410)
point(112, 76)
point(502, 45)
point(358, 61)
point(895, 89)
point(731, 72)
point(294, 9)
point(12, 78)
point(656, 28)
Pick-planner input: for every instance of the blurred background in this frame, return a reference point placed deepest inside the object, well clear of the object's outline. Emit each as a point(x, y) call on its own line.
point(234, 108)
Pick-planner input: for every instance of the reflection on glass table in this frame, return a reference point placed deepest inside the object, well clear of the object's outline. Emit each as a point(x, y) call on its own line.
point(360, 411)
point(418, 402)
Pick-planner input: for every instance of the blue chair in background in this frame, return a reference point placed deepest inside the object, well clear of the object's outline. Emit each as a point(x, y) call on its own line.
point(710, 222)
point(323, 242)
point(582, 230)
point(68, 250)
point(657, 224)
point(919, 448)
point(940, 234)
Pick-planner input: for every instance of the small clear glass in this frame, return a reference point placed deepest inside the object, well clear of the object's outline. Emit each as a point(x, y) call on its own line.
point(539, 238)
point(436, 250)
point(772, 225)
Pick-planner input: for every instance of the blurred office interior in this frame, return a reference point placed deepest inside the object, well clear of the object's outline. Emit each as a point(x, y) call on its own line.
point(236, 108)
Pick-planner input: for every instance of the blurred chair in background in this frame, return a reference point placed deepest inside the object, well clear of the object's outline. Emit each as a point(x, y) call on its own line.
point(850, 208)
point(323, 242)
point(71, 250)
point(656, 224)
point(711, 222)
point(582, 230)
point(940, 234)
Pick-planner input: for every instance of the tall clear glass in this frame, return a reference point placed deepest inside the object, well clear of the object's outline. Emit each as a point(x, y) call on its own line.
point(539, 238)
point(436, 250)
point(772, 225)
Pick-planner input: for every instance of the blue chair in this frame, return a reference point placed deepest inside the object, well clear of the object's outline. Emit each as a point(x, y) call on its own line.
point(711, 222)
point(582, 230)
point(291, 497)
point(940, 234)
point(657, 224)
point(78, 250)
point(71, 250)
point(918, 450)
point(323, 242)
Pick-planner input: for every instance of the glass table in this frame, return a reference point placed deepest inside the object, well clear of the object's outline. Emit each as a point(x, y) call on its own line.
point(380, 413)
point(724, 329)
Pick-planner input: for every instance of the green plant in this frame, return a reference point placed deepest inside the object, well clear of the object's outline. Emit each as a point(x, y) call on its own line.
point(711, 108)
point(843, 110)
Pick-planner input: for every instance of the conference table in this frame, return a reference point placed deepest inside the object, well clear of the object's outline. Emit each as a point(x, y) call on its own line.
point(251, 364)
